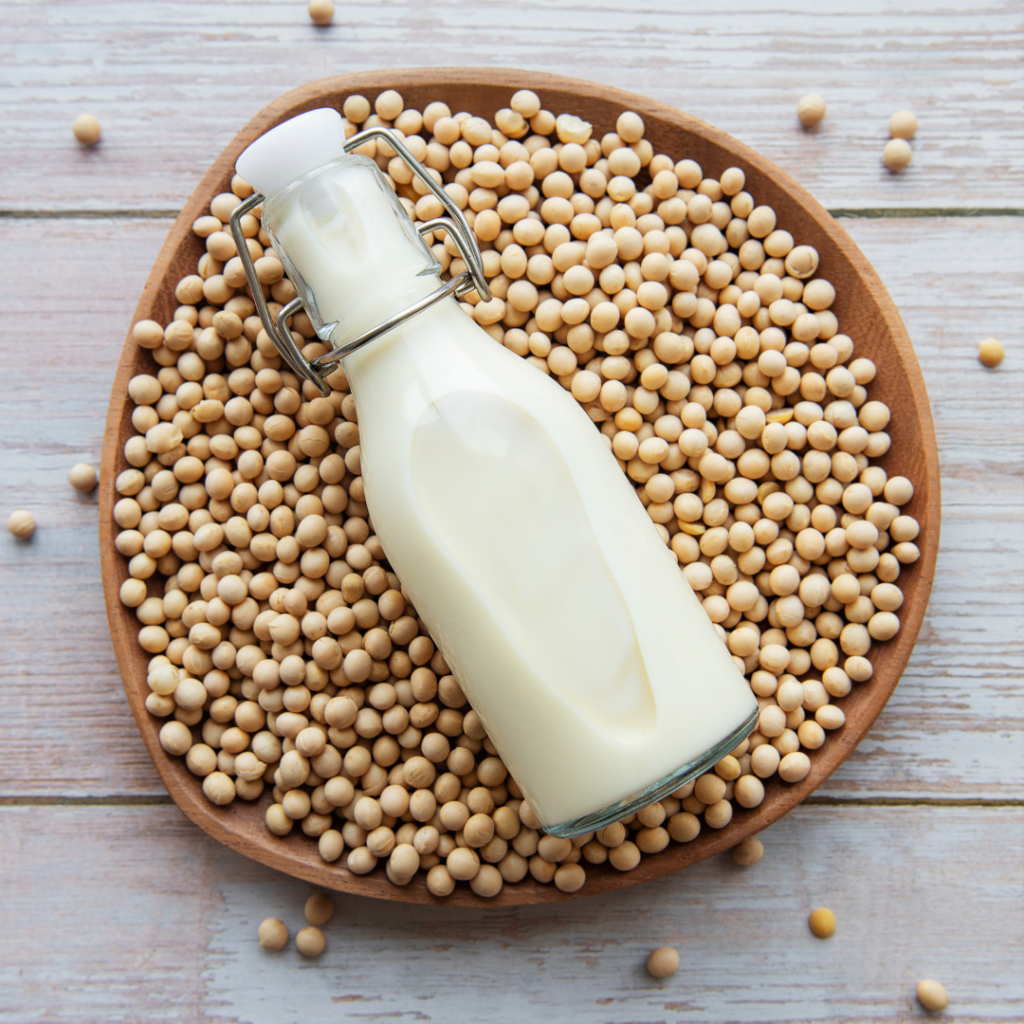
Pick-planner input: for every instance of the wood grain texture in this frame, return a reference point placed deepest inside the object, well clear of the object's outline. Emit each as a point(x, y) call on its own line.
point(978, 591)
point(171, 82)
point(865, 311)
point(133, 914)
point(951, 731)
point(108, 911)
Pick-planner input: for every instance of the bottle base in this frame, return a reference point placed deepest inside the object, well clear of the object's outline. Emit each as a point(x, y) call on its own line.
point(623, 808)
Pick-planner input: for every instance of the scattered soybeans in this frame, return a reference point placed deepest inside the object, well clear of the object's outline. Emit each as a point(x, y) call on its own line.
point(811, 109)
point(932, 995)
point(697, 334)
point(897, 154)
point(822, 923)
point(663, 962)
point(273, 934)
point(991, 352)
point(86, 129)
point(321, 12)
point(22, 524)
point(903, 125)
point(83, 478)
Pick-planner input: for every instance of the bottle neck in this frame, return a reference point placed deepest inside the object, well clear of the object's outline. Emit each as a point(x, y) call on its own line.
point(351, 251)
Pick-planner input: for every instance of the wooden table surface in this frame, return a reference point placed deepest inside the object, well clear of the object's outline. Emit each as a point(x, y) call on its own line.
point(114, 908)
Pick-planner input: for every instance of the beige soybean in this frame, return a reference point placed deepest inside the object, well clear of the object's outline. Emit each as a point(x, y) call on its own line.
point(932, 995)
point(811, 109)
point(319, 908)
point(487, 882)
point(310, 942)
point(822, 923)
point(82, 478)
point(22, 524)
point(273, 934)
point(625, 856)
point(569, 877)
point(321, 12)
point(748, 853)
point(663, 962)
point(991, 352)
point(897, 154)
point(86, 129)
point(903, 124)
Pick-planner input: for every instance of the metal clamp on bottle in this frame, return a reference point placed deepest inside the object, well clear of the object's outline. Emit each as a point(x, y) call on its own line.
point(471, 279)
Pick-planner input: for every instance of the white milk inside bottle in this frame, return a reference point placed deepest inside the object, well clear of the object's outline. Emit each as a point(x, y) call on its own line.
point(568, 623)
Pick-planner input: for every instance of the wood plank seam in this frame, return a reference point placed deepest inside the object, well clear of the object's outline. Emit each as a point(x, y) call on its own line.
point(898, 212)
point(899, 801)
point(150, 800)
point(157, 799)
point(871, 212)
point(156, 213)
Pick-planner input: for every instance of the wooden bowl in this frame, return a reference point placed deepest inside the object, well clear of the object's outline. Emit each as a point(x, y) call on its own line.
point(865, 312)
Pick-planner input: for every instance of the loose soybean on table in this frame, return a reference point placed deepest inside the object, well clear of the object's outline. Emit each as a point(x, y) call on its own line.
point(113, 906)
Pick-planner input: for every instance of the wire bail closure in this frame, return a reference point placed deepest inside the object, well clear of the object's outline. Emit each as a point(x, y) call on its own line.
point(471, 279)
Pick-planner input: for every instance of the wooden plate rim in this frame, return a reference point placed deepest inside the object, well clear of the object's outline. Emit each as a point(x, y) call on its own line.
point(228, 825)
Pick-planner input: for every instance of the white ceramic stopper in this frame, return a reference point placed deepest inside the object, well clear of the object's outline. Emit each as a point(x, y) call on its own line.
point(292, 148)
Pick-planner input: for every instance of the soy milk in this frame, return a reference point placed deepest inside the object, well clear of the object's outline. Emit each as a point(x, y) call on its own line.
point(567, 622)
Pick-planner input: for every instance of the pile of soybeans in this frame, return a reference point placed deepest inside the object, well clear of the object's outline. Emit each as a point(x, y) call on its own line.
point(286, 659)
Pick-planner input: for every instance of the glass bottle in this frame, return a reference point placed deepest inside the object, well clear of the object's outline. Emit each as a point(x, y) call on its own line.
point(593, 667)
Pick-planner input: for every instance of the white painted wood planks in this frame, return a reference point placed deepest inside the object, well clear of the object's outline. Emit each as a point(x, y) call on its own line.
point(953, 728)
point(130, 913)
point(172, 83)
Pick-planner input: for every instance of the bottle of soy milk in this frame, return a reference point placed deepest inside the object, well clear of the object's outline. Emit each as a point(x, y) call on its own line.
point(591, 663)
